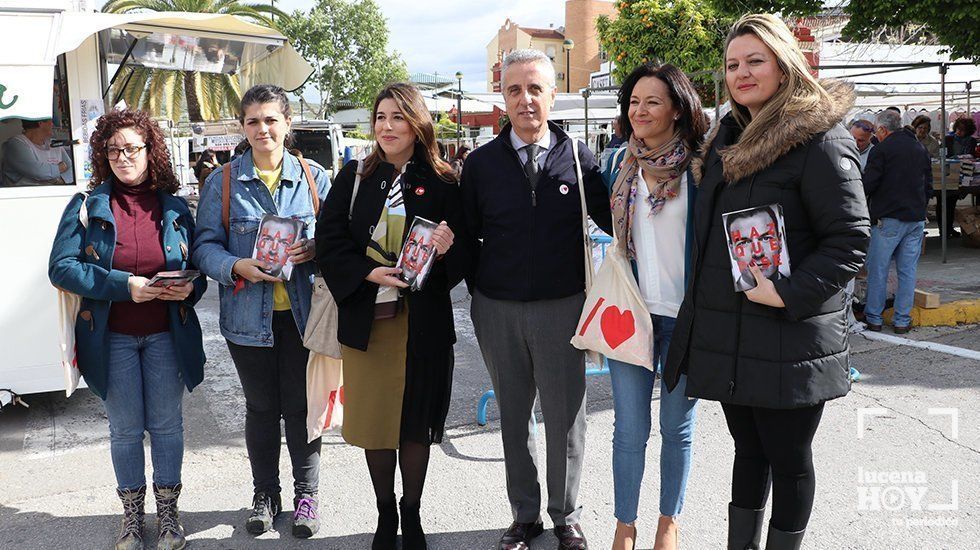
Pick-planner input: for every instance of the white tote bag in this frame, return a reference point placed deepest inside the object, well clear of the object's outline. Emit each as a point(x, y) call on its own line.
point(68, 306)
point(615, 321)
point(325, 367)
point(324, 395)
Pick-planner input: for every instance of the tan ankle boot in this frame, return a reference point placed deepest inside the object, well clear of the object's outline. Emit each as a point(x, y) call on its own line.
point(667, 534)
point(625, 537)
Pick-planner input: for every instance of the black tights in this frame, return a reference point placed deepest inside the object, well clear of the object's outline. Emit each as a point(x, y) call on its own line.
point(777, 442)
point(413, 458)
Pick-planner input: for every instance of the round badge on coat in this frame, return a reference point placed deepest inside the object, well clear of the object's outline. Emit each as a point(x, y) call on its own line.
point(420, 191)
point(563, 189)
point(845, 164)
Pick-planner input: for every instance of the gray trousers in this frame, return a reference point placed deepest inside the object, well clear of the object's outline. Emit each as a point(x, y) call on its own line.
point(526, 348)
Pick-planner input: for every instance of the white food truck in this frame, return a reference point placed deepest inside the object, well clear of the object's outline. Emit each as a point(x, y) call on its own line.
point(58, 63)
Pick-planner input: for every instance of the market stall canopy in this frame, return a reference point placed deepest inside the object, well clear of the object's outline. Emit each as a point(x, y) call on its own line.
point(597, 115)
point(905, 76)
point(196, 41)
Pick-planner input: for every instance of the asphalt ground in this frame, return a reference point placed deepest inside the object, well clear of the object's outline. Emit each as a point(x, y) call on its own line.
point(898, 463)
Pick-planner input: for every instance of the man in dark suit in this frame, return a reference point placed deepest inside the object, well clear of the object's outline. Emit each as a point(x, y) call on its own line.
point(521, 197)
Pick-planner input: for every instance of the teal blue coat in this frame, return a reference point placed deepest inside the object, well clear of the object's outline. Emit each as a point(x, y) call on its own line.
point(81, 263)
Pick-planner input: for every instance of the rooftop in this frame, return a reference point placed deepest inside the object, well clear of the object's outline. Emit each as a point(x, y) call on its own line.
point(547, 34)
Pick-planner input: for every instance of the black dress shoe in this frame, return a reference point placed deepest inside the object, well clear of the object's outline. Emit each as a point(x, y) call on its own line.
point(518, 535)
point(570, 537)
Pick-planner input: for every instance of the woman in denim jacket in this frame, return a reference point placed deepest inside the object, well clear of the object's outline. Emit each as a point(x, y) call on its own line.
point(263, 318)
point(137, 346)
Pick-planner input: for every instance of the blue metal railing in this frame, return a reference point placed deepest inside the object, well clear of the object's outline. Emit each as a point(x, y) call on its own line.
point(481, 408)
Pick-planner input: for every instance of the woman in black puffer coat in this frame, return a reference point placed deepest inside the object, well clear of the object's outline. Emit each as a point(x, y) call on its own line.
point(774, 354)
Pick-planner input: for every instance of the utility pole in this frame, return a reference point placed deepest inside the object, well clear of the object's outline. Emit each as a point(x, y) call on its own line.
point(459, 110)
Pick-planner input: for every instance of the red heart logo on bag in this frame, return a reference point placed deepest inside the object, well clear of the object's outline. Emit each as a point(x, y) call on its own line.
point(617, 326)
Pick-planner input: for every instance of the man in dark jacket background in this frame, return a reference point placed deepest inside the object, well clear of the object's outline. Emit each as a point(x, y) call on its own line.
point(898, 183)
point(521, 197)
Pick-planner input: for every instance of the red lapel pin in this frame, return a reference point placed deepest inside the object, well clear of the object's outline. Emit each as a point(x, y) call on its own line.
point(420, 191)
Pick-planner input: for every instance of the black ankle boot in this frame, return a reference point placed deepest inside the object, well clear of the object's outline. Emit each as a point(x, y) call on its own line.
point(744, 528)
point(413, 538)
point(386, 534)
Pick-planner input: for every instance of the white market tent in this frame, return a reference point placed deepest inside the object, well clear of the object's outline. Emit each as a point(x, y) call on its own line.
point(26, 71)
point(908, 77)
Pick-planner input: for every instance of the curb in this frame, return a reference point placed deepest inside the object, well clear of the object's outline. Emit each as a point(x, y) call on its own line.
point(946, 315)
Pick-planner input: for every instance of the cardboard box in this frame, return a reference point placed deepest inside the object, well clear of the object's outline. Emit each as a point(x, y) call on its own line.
point(968, 218)
point(952, 176)
point(926, 300)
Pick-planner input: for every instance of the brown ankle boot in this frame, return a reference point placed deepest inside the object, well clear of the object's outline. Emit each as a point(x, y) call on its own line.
point(131, 531)
point(168, 521)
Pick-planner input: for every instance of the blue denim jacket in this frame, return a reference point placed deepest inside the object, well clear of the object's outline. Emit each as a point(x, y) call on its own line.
point(81, 262)
point(246, 317)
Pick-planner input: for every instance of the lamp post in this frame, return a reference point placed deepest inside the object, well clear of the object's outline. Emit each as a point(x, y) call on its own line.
point(459, 110)
point(585, 94)
point(569, 44)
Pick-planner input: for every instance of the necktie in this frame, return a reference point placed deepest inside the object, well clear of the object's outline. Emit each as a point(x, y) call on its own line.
point(531, 164)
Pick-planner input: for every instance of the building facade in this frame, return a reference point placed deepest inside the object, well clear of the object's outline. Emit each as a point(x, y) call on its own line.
point(585, 56)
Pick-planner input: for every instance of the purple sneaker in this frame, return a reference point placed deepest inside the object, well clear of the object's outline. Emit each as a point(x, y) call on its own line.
point(306, 521)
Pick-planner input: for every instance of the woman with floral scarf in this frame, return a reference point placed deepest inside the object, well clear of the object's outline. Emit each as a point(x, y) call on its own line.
point(651, 197)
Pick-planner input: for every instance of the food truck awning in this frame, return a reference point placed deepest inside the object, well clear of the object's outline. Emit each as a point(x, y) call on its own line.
point(33, 40)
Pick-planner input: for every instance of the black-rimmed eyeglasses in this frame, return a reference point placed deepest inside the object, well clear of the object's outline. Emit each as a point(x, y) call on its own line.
point(129, 151)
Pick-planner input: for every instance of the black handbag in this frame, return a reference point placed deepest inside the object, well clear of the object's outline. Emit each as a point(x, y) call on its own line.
point(389, 310)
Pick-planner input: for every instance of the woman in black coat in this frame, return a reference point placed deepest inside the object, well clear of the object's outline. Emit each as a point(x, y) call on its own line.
point(397, 340)
point(772, 355)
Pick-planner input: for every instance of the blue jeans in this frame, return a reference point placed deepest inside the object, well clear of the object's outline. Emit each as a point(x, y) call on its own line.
point(144, 394)
point(903, 241)
point(632, 388)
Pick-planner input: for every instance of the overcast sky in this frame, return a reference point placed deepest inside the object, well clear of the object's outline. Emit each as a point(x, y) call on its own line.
point(446, 36)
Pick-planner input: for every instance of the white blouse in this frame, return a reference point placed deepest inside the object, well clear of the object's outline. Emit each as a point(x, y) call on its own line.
point(660, 243)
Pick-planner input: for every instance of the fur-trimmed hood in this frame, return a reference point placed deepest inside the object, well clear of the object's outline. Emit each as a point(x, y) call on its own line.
point(741, 160)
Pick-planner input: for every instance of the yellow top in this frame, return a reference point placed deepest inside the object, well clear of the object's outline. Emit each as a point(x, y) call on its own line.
point(280, 298)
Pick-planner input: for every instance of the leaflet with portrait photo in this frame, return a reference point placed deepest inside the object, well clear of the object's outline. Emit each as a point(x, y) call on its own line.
point(275, 236)
point(418, 254)
point(756, 236)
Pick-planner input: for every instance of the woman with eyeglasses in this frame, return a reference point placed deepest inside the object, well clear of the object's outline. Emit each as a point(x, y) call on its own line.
point(138, 346)
point(397, 340)
point(922, 125)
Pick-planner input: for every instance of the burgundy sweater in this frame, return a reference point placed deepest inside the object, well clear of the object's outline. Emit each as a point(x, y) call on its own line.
point(139, 250)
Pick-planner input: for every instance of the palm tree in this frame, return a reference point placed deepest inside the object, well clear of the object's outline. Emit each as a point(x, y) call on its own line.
point(164, 93)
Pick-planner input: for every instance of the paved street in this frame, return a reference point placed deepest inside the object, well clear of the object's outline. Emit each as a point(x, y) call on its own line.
point(898, 463)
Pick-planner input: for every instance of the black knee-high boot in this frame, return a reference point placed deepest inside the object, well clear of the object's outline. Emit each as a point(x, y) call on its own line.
point(744, 528)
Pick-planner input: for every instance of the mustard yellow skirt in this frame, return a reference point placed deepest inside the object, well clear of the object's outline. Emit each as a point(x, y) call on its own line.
point(374, 386)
